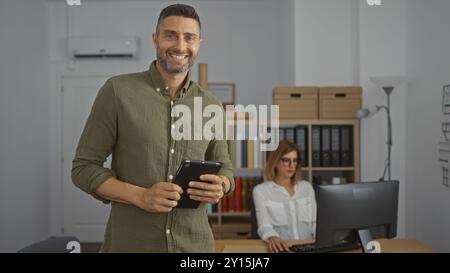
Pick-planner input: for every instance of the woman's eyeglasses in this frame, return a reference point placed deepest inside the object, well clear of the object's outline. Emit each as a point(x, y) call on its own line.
point(287, 161)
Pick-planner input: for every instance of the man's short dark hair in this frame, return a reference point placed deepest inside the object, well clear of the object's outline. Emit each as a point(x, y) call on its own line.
point(178, 10)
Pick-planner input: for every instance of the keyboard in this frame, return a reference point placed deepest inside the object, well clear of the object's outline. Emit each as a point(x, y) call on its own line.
point(311, 248)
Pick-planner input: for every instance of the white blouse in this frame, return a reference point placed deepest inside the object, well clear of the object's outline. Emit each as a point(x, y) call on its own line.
point(280, 214)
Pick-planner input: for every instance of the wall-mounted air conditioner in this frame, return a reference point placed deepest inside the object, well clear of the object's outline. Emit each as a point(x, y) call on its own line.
point(103, 47)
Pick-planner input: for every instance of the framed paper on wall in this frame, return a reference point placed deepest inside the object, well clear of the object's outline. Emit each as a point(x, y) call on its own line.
point(225, 92)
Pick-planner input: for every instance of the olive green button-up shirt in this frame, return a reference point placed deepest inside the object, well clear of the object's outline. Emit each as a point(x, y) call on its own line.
point(131, 118)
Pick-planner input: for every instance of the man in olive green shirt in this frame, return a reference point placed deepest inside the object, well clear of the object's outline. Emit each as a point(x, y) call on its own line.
point(131, 118)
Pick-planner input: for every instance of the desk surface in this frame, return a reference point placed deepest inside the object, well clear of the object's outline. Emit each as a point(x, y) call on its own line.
point(259, 246)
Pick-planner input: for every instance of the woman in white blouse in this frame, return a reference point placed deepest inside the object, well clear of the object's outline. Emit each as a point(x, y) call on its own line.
point(285, 204)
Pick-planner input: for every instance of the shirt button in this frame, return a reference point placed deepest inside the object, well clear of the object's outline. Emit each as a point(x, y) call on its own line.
point(157, 89)
point(167, 88)
point(170, 177)
point(167, 231)
point(172, 151)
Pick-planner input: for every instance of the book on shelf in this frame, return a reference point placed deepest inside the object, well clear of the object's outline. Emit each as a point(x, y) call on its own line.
point(250, 153)
point(240, 199)
point(244, 153)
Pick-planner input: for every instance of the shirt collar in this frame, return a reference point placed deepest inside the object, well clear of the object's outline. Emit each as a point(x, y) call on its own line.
point(274, 185)
point(161, 86)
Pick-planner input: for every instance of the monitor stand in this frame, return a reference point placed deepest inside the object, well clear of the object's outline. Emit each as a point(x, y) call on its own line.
point(368, 245)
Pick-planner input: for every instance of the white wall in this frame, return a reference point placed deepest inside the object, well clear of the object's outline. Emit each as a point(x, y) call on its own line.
point(326, 42)
point(344, 43)
point(249, 43)
point(244, 42)
point(428, 66)
point(257, 45)
point(382, 52)
point(24, 124)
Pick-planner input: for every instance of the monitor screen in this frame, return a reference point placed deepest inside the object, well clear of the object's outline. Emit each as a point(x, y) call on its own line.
point(344, 209)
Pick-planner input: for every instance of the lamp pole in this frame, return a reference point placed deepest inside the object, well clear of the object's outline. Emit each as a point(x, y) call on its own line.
point(388, 83)
point(388, 90)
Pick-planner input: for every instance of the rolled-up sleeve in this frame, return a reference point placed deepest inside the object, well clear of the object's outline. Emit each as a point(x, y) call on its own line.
point(265, 227)
point(96, 143)
point(218, 151)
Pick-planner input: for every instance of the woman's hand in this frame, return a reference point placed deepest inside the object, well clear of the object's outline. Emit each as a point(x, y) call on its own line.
point(276, 244)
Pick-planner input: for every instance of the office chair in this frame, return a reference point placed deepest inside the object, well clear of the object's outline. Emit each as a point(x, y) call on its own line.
point(64, 244)
point(253, 221)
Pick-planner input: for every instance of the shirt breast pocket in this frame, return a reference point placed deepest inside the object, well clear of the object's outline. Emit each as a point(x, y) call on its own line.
point(307, 209)
point(196, 149)
point(277, 213)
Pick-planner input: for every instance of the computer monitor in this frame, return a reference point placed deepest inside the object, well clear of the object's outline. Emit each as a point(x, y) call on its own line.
point(344, 209)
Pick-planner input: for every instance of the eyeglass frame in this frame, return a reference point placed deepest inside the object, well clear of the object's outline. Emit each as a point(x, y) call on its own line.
point(288, 162)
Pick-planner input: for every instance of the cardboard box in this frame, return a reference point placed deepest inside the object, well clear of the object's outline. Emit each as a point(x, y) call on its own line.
point(296, 102)
point(339, 102)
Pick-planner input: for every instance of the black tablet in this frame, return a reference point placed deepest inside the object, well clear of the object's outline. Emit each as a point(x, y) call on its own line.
point(191, 170)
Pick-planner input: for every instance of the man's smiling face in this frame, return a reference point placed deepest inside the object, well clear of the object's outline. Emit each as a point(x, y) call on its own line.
point(177, 42)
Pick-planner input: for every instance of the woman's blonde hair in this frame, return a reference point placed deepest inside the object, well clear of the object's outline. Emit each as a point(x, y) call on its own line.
point(284, 147)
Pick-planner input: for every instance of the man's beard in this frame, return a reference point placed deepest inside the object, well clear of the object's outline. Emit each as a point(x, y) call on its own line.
point(168, 67)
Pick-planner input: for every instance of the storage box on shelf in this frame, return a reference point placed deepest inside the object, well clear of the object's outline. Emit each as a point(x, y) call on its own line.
point(296, 102)
point(339, 102)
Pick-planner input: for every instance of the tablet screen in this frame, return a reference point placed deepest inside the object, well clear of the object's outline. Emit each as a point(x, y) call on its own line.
point(191, 170)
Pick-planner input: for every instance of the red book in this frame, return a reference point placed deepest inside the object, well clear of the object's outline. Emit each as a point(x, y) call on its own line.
point(238, 194)
point(224, 204)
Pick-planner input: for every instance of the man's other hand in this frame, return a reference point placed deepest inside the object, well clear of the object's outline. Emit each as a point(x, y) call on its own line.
point(161, 197)
point(210, 191)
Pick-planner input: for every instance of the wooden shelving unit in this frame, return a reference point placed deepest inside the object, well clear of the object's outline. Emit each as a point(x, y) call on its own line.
point(236, 225)
point(315, 106)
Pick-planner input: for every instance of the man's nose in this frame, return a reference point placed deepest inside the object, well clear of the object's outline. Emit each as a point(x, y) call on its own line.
point(180, 44)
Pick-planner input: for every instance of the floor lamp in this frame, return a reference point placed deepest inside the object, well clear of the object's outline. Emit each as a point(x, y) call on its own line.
point(388, 84)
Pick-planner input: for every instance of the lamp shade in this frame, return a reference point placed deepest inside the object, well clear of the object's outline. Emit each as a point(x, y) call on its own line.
point(388, 81)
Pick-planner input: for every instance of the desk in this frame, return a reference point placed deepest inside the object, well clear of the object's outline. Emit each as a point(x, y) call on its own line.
point(259, 246)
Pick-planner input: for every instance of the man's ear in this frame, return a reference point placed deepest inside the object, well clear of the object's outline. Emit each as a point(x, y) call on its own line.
point(155, 39)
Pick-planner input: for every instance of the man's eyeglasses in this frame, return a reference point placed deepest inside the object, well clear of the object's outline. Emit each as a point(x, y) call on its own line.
point(288, 161)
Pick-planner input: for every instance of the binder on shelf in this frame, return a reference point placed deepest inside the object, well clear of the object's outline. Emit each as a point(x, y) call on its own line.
point(315, 146)
point(346, 146)
point(282, 134)
point(301, 136)
point(290, 134)
point(325, 146)
point(335, 146)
